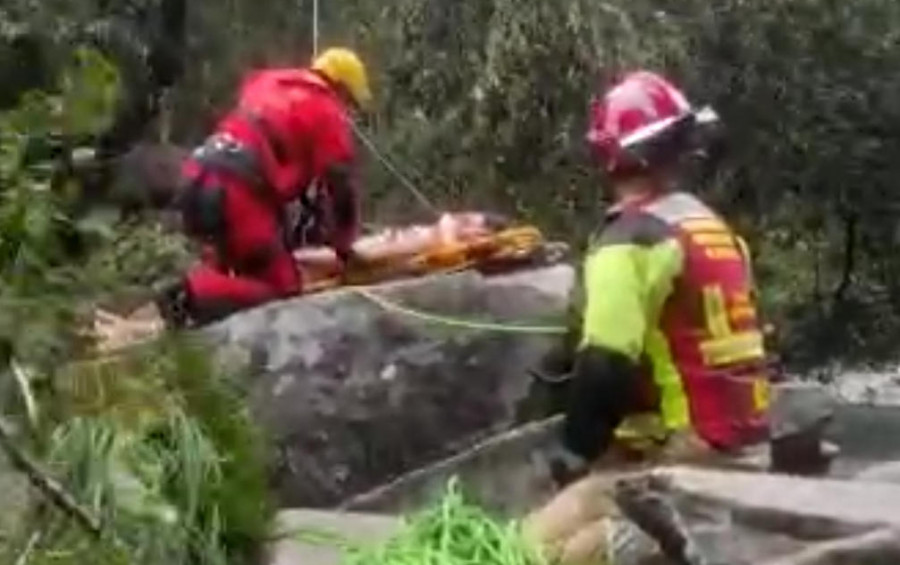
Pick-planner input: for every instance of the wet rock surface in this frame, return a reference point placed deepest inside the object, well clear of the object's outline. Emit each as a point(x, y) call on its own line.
point(735, 518)
point(507, 474)
point(292, 525)
point(354, 390)
point(742, 518)
point(877, 386)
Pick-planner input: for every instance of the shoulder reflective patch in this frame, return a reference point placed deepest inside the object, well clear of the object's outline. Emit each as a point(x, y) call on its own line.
point(722, 253)
point(703, 225)
point(637, 229)
point(713, 239)
point(735, 348)
point(678, 207)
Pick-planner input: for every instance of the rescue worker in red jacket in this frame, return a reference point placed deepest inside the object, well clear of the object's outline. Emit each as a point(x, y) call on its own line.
point(289, 139)
point(671, 362)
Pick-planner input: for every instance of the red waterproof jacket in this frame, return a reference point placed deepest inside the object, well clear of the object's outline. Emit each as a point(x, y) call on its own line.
point(298, 126)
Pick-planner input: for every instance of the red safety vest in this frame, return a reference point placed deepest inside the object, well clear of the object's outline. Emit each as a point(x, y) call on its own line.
point(711, 326)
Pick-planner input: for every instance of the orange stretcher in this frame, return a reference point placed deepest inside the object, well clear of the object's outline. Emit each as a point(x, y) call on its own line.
point(455, 242)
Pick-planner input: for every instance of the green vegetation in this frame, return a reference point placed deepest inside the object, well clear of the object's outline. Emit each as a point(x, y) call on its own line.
point(154, 445)
point(166, 457)
point(452, 531)
point(158, 447)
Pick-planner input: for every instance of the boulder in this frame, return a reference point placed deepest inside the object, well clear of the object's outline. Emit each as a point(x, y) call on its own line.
point(357, 386)
point(508, 474)
point(881, 473)
point(800, 415)
point(744, 518)
point(313, 537)
point(799, 406)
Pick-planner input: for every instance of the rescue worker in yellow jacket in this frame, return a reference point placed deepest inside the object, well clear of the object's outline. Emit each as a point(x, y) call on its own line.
point(671, 351)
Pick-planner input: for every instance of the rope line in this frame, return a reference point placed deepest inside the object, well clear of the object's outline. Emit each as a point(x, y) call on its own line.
point(315, 25)
point(452, 321)
point(391, 168)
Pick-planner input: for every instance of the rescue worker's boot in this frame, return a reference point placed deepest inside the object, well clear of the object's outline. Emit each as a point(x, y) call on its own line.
point(180, 310)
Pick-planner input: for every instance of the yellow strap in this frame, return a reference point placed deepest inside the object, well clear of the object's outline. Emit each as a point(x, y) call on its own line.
point(713, 239)
point(743, 346)
point(716, 311)
point(695, 225)
point(761, 394)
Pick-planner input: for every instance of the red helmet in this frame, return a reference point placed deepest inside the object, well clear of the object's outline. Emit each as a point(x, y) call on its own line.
point(641, 122)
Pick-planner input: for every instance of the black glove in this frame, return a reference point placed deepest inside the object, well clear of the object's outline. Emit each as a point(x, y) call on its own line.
point(565, 467)
point(173, 302)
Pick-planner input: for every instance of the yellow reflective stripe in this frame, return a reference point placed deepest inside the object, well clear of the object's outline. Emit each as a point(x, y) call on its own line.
point(722, 239)
point(673, 401)
point(703, 224)
point(738, 347)
point(718, 253)
point(740, 313)
point(646, 425)
point(741, 298)
point(761, 394)
point(716, 314)
point(642, 432)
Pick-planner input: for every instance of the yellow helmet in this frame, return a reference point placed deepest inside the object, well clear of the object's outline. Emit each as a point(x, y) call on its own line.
point(344, 67)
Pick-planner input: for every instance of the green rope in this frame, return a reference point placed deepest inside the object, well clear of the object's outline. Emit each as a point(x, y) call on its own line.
point(456, 322)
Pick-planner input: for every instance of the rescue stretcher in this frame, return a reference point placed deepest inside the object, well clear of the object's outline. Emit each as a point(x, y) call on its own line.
point(455, 242)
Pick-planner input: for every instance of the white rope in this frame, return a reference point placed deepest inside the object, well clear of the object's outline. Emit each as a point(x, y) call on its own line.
point(404, 180)
point(315, 24)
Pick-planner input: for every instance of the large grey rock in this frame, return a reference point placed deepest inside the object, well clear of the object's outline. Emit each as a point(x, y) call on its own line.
point(303, 535)
point(798, 406)
point(881, 473)
point(874, 386)
point(866, 434)
point(744, 518)
point(507, 474)
point(354, 391)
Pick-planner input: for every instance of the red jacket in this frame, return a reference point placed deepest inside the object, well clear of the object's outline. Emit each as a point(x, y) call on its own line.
point(308, 133)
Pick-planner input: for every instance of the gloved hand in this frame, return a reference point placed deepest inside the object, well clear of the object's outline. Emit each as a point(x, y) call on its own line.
point(565, 467)
point(173, 302)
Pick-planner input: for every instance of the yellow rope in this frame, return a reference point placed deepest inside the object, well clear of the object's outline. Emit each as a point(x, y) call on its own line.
point(453, 321)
